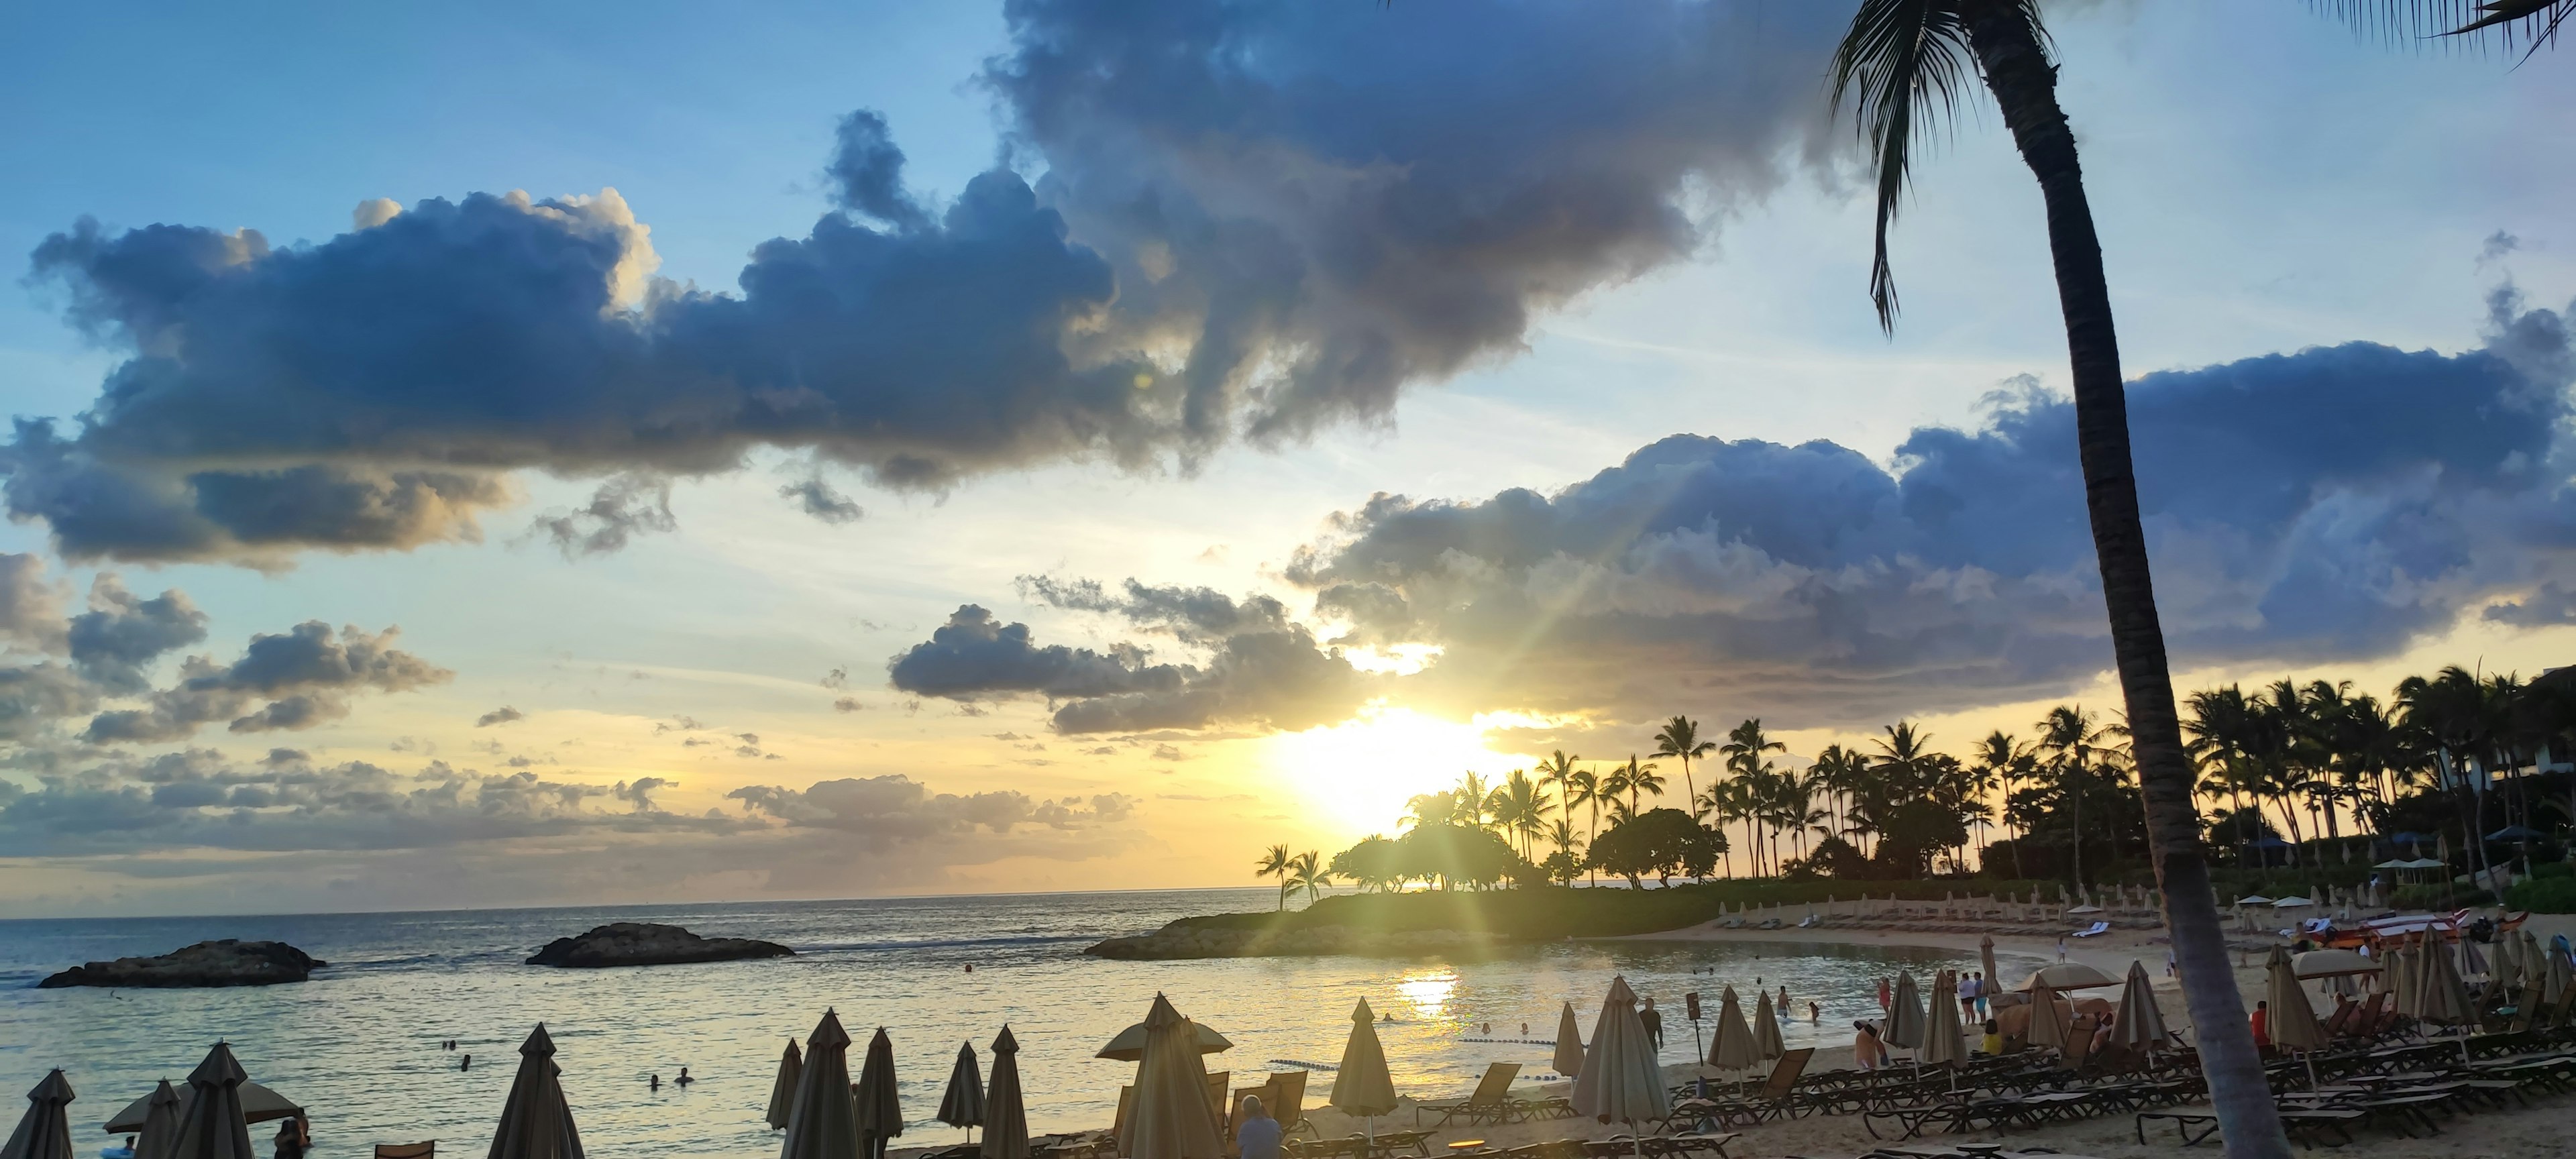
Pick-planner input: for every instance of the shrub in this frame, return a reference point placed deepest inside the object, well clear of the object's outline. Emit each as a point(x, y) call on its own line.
point(2549, 894)
point(2553, 869)
point(2438, 897)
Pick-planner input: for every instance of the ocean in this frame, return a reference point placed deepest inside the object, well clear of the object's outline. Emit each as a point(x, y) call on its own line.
point(359, 1045)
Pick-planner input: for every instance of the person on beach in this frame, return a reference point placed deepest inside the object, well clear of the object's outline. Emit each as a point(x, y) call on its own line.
point(1258, 1137)
point(1815, 1015)
point(1994, 1043)
point(2262, 1023)
point(2102, 1033)
point(2061, 949)
point(293, 1139)
point(1968, 998)
point(1886, 999)
point(1868, 1053)
point(2174, 971)
point(1783, 1004)
point(1654, 1020)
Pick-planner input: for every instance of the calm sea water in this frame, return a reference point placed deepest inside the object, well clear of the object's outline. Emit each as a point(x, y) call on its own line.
point(358, 1046)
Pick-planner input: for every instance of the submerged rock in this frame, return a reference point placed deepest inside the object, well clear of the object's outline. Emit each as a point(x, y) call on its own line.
point(649, 944)
point(229, 962)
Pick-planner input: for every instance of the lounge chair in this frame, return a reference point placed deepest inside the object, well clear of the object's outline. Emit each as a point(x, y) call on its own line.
point(2097, 929)
point(1773, 1099)
point(407, 1150)
point(1491, 1102)
point(1809, 922)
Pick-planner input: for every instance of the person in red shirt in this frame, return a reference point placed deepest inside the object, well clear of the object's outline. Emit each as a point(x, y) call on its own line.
point(2262, 1025)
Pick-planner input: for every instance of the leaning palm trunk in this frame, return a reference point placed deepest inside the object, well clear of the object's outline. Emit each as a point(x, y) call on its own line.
point(2003, 34)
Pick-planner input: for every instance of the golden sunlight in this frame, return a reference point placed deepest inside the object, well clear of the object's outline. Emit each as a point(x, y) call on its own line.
point(1358, 774)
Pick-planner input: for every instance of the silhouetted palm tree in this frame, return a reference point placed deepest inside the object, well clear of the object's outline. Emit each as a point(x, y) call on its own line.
point(1907, 63)
point(1680, 739)
point(1274, 862)
point(1306, 872)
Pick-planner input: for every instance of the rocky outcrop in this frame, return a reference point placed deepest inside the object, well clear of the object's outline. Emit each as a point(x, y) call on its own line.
point(1181, 939)
point(229, 962)
point(648, 944)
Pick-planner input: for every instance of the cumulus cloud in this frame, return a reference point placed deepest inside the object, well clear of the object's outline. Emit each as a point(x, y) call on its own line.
point(1259, 668)
point(2335, 503)
point(896, 807)
point(1248, 220)
point(502, 715)
point(122, 633)
point(290, 680)
point(822, 501)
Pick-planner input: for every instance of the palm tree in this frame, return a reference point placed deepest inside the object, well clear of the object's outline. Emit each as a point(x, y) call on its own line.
point(1552, 774)
point(1744, 751)
point(1274, 862)
point(2072, 741)
point(1582, 787)
point(1999, 760)
point(1471, 800)
point(1680, 740)
point(1519, 805)
point(1907, 63)
point(1306, 872)
point(1639, 779)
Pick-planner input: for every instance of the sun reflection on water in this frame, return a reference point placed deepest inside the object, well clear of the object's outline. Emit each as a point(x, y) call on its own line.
point(1427, 991)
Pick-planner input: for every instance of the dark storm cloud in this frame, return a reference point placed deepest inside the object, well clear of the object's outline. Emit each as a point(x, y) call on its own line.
point(1249, 218)
point(1258, 669)
point(2552, 603)
point(2336, 503)
point(291, 680)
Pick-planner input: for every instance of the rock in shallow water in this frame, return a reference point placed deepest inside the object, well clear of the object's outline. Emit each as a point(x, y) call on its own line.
point(649, 944)
point(229, 962)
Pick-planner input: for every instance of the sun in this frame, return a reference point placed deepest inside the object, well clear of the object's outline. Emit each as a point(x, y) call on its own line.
point(1356, 776)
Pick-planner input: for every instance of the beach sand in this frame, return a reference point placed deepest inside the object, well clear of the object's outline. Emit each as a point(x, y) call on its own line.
point(2540, 1129)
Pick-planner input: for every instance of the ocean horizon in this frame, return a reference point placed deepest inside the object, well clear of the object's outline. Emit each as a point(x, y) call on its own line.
point(359, 1045)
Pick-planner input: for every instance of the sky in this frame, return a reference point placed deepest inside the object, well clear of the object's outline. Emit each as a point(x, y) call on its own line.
point(491, 456)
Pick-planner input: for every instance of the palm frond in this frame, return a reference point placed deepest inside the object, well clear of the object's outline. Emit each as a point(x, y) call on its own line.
point(2529, 24)
point(1904, 64)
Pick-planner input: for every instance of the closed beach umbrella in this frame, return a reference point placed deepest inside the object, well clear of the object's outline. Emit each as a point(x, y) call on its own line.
point(1569, 1044)
point(1766, 1030)
point(2292, 1023)
point(1945, 1042)
point(2508, 961)
point(46, 1131)
point(159, 1134)
point(2535, 964)
point(1905, 1014)
point(1006, 1114)
point(2472, 963)
point(536, 1123)
point(2141, 1022)
point(1170, 1118)
point(963, 1105)
point(2441, 998)
point(880, 1106)
point(2555, 988)
point(211, 1124)
point(1363, 1087)
point(1986, 954)
point(782, 1092)
point(2051, 1020)
point(1734, 1048)
point(824, 1121)
point(1621, 1079)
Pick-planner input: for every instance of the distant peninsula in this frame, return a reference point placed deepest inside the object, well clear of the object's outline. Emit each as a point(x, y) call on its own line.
point(229, 962)
point(649, 944)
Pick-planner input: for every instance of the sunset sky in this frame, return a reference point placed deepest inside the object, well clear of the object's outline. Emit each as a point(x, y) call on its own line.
point(489, 455)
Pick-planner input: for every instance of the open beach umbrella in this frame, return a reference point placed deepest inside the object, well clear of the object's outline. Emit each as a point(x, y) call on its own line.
point(1363, 1086)
point(2068, 976)
point(2441, 999)
point(258, 1105)
point(1170, 1117)
point(536, 1123)
point(963, 1105)
point(159, 1134)
point(2140, 1022)
point(2331, 964)
point(879, 1105)
point(1905, 1014)
point(2292, 1023)
point(1945, 1042)
point(211, 1124)
point(1621, 1079)
point(46, 1131)
point(1569, 1044)
point(1766, 1030)
point(823, 1123)
point(1129, 1046)
point(1006, 1114)
point(1734, 1048)
point(782, 1092)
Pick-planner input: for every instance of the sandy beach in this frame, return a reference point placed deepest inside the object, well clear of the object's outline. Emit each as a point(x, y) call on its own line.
point(2539, 1129)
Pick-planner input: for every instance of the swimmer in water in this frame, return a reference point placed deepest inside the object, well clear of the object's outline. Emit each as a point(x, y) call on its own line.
point(656, 1084)
point(684, 1078)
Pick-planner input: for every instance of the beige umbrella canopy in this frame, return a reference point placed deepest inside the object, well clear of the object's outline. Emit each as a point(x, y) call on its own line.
point(1569, 1044)
point(2140, 1022)
point(1362, 1087)
point(211, 1124)
point(2292, 1023)
point(823, 1123)
point(963, 1104)
point(1734, 1047)
point(1986, 954)
point(1129, 1046)
point(258, 1103)
point(159, 1134)
point(2440, 997)
point(1945, 1042)
point(1905, 1014)
point(1766, 1030)
point(536, 1123)
point(782, 1092)
point(46, 1130)
point(1170, 1118)
point(879, 1104)
point(2068, 976)
point(1006, 1114)
point(2052, 1019)
point(2331, 964)
point(2558, 978)
point(1621, 1078)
